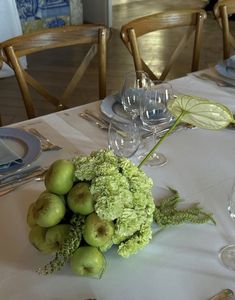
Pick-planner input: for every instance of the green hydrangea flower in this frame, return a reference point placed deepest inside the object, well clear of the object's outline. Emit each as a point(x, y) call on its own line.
point(123, 195)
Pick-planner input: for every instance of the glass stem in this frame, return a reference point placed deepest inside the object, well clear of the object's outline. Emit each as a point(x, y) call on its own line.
point(177, 121)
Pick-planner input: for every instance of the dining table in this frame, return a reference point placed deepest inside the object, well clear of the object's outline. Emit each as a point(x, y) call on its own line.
point(180, 262)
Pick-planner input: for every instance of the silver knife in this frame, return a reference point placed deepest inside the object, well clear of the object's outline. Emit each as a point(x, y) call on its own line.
point(26, 177)
point(12, 186)
point(96, 118)
point(218, 81)
point(18, 175)
point(98, 123)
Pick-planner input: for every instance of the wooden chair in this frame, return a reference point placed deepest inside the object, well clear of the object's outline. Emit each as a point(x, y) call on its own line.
point(190, 20)
point(13, 49)
point(222, 10)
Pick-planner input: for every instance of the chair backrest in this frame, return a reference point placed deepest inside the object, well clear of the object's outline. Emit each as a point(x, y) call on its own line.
point(95, 36)
point(222, 10)
point(190, 20)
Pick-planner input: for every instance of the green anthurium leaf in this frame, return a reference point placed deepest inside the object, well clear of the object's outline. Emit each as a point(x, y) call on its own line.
point(200, 112)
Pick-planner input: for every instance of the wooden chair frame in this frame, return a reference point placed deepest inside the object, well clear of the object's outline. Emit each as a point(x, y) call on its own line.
point(222, 9)
point(13, 49)
point(193, 19)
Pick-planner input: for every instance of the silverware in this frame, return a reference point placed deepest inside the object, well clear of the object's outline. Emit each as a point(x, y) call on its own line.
point(46, 144)
point(13, 180)
point(103, 124)
point(218, 81)
point(18, 175)
point(222, 295)
point(99, 124)
point(96, 118)
point(14, 186)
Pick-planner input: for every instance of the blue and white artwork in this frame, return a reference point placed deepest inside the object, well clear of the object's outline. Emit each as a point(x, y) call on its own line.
point(32, 10)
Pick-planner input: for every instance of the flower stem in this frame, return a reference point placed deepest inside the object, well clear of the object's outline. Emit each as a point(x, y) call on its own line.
point(177, 121)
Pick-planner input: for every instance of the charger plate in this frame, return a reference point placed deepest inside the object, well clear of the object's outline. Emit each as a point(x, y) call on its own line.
point(225, 70)
point(111, 107)
point(24, 144)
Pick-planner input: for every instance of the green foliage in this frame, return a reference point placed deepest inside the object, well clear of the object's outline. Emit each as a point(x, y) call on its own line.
point(70, 245)
point(166, 213)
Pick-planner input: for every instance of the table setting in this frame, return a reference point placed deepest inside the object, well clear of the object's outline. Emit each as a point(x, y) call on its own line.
point(221, 75)
point(171, 256)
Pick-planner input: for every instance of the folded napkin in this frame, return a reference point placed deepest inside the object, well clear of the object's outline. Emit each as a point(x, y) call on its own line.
point(8, 157)
point(227, 67)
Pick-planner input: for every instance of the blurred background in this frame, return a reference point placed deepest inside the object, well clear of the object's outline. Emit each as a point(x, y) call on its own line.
point(119, 59)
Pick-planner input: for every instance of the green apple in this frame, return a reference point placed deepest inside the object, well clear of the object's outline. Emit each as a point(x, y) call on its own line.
point(56, 235)
point(88, 261)
point(30, 216)
point(80, 199)
point(37, 236)
point(97, 232)
point(59, 177)
point(48, 210)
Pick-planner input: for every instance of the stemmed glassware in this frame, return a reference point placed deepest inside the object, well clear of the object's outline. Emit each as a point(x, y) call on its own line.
point(123, 137)
point(227, 253)
point(133, 90)
point(155, 115)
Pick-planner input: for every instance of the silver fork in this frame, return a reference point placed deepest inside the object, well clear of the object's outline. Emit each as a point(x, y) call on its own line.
point(46, 144)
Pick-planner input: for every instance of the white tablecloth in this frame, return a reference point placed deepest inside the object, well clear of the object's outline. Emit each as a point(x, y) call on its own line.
point(180, 263)
point(10, 27)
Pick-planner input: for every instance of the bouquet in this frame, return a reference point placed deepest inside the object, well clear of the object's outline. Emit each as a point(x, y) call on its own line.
point(95, 202)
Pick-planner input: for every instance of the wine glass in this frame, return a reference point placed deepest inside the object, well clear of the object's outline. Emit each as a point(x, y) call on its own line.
point(227, 253)
point(133, 90)
point(155, 115)
point(123, 137)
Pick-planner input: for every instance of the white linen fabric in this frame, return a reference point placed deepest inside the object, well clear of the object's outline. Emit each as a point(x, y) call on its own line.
point(180, 263)
point(205, 89)
point(10, 27)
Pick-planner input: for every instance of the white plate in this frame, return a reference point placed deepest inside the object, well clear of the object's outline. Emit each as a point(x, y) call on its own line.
point(111, 107)
point(223, 69)
point(26, 145)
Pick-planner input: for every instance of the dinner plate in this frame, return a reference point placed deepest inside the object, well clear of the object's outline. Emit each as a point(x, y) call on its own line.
point(225, 70)
point(111, 107)
point(25, 145)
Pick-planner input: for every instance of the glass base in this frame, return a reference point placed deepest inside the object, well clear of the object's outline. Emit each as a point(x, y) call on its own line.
point(227, 256)
point(157, 159)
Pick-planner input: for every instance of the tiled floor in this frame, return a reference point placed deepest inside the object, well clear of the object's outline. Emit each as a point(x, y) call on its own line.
point(119, 60)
